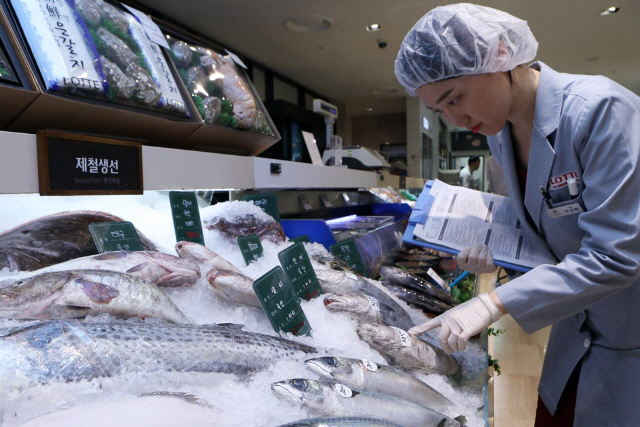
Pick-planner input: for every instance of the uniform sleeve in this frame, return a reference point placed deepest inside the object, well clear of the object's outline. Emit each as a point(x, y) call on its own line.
point(607, 140)
point(464, 179)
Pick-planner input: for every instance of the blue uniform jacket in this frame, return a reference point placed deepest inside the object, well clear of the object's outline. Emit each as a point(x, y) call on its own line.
point(588, 128)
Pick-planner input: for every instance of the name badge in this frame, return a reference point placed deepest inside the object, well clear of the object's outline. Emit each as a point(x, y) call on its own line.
point(571, 209)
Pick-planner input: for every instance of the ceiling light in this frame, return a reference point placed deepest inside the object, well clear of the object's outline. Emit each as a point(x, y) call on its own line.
point(370, 109)
point(609, 11)
point(307, 23)
point(373, 27)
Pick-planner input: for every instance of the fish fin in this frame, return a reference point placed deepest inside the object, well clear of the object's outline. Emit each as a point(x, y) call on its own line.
point(97, 292)
point(111, 255)
point(136, 268)
point(461, 419)
point(188, 397)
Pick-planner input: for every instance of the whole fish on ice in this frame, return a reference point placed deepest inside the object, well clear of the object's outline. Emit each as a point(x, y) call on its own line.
point(397, 276)
point(407, 351)
point(411, 296)
point(365, 309)
point(75, 294)
point(203, 257)
point(154, 267)
point(341, 422)
point(53, 239)
point(70, 350)
point(235, 218)
point(371, 376)
point(233, 286)
point(338, 400)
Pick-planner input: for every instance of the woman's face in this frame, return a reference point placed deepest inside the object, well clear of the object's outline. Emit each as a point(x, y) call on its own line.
point(480, 103)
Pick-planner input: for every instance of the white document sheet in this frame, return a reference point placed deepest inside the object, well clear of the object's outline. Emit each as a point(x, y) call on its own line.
point(460, 217)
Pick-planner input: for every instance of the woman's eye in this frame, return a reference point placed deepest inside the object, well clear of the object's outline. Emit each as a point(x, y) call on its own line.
point(454, 101)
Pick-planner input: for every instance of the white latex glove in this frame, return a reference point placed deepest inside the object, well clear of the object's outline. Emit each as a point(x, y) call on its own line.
point(462, 322)
point(476, 259)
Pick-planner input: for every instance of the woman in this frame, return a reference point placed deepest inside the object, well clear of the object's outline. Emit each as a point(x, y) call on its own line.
point(466, 62)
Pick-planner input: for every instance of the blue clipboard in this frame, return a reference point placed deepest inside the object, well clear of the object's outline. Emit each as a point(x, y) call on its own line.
point(419, 216)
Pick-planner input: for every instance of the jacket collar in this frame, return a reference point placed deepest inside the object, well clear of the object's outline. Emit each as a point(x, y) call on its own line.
point(541, 155)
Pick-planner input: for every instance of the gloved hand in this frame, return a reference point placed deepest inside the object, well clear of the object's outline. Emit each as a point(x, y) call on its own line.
point(462, 322)
point(476, 259)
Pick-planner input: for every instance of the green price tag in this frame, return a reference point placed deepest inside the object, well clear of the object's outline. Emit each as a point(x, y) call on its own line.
point(186, 217)
point(250, 247)
point(115, 236)
point(304, 238)
point(348, 252)
point(280, 303)
point(297, 267)
point(268, 202)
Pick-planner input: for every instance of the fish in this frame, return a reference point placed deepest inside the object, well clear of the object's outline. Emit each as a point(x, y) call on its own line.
point(154, 267)
point(396, 276)
point(234, 219)
point(53, 239)
point(371, 376)
point(337, 400)
point(365, 308)
point(418, 299)
point(233, 286)
point(203, 256)
point(407, 351)
point(343, 282)
point(79, 293)
point(341, 422)
point(72, 350)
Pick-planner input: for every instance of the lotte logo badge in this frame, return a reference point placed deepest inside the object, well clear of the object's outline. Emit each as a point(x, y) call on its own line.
point(560, 181)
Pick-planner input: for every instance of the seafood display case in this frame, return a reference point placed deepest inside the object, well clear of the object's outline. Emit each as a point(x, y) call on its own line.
point(175, 334)
point(222, 93)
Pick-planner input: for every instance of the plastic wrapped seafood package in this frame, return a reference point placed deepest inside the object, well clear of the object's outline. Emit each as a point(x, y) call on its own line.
point(93, 49)
point(220, 90)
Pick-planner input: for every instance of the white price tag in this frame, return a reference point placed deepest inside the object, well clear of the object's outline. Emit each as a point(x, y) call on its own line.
point(343, 390)
point(236, 59)
point(150, 27)
point(375, 305)
point(437, 278)
point(571, 209)
point(404, 336)
point(371, 366)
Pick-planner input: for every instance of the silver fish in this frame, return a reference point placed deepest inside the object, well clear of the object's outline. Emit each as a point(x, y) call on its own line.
point(343, 282)
point(53, 239)
point(397, 276)
point(154, 267)
point(429, 304)
point(365, 308)
point(341, 422)
point(70, 350)
point(407, 351)
point(371, 376)
point(74, 294)
point(338, 400)
point(203, 256)
point(233, 286)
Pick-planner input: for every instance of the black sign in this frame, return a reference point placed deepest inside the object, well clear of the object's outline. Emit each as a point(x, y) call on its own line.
point(186, 216)
point(297, 267)
point(348, 252)
point(115, 236)
point(304, 239)
point(280, 303)
point(70, 164)
point(268, 202)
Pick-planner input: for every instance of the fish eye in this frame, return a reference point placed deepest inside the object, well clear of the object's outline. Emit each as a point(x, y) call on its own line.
point(331, 361)
point(299, 384)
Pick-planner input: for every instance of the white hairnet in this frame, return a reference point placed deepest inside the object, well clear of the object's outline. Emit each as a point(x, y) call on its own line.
point(461, 39)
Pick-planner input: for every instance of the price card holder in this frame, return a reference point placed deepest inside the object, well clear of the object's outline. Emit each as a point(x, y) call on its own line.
point(267, 201)
point(348, 252)
point(280, 303)
point(186, 217)
point(304, 239)
point(297, 266)
point(250, 247)
point(115, 236)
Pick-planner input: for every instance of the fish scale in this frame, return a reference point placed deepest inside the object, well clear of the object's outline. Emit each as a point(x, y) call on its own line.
point(73, 350)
